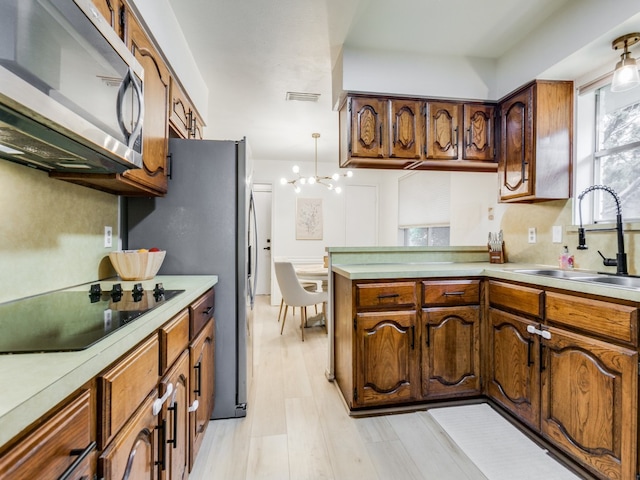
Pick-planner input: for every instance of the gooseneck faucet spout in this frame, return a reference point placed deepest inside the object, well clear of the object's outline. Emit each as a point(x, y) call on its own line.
point(620, 262)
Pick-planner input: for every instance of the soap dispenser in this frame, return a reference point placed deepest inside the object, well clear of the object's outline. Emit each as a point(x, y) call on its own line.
point(566, 260)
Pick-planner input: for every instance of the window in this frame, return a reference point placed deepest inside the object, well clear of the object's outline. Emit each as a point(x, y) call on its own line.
point(426, 236)
point(616, 156)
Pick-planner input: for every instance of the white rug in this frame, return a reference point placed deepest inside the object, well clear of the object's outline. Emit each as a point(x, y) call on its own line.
point(497, 448)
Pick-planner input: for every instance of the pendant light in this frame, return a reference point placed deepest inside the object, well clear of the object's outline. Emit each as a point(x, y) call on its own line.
point(625, 76)
point(315, 178)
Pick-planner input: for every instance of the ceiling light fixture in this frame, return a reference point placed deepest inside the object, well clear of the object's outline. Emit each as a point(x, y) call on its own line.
point(315, 179)
point(625, 76)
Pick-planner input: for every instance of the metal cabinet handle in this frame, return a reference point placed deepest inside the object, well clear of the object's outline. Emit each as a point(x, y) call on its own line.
point(413, 337)
point(529, 360)
point(452, 294)
point(207, 310)
point(198, 367)
point(174, 414)
point(163, 432)
point(82, 454)
point(388, 295)
point(428, 334)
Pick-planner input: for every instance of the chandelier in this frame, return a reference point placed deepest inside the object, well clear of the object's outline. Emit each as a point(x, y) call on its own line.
point(315, 179)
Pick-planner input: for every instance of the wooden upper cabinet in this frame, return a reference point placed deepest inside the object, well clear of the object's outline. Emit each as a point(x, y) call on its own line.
point(406, 129)
point(459, 136)
point(368, 123)
point(153, 174)
point(478, 132)
point(414, 133)
point(443, 130)
point(536, 125)
point(379, 133)
point(183, 118)
point(113, 12)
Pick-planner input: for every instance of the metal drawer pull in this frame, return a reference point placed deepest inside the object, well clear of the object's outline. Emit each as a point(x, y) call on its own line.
point(207, 311)
point(388, 295)
point(447, 294)
point(157, 403)
point(194, 406)
point(82, 454)
point(543, 333)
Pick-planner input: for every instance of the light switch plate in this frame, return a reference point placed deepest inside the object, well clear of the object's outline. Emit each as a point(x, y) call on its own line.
point(532, 234)
point(556, 235)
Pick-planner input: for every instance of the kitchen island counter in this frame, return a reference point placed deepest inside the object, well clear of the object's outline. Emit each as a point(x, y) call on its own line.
point(34, 383)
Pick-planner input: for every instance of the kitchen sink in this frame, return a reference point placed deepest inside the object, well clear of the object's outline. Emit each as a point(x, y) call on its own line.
point(590, 277)
point(569, 274)
point(628, 282)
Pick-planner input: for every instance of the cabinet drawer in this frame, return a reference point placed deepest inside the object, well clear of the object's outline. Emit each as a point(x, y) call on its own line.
point(606, 319)
point(174, 339)
point(516, 298)
point(450, 292)
point(386, 295)
point(201, 311)
point(46, 452)
point(124, 386)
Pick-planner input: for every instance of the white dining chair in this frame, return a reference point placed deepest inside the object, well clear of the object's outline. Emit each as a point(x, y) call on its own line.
point(293, 293)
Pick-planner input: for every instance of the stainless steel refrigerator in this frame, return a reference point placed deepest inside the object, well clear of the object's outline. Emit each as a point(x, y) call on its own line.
point(206, 223)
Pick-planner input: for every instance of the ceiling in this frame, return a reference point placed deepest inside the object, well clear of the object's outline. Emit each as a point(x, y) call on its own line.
point(252, 52)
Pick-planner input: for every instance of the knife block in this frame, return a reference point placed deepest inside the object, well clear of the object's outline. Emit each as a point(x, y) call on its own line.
point(496, 257)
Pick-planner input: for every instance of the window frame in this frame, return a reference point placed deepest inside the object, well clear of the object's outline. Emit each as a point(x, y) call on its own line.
point(587, 154)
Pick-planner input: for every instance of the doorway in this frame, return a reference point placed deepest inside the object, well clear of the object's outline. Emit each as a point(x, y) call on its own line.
point(262, 196)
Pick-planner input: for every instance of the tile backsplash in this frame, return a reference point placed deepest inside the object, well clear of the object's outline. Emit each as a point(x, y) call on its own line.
point(543, 216)
point(51, 233)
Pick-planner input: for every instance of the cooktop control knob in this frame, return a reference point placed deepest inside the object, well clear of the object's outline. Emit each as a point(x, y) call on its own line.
point(95, 292)
point(158, 292)
point(137, 292)
point(116, 292)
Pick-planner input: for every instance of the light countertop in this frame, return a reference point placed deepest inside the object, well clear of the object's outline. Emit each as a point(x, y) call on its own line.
point(506, 271)
point(34, 383)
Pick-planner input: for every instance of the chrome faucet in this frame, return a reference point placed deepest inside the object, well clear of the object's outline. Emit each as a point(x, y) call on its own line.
point(620, 262)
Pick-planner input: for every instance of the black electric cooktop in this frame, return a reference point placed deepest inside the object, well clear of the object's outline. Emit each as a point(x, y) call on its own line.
point(71, 320)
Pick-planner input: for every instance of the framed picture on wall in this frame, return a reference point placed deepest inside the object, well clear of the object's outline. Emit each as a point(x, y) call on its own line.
point(308, 219)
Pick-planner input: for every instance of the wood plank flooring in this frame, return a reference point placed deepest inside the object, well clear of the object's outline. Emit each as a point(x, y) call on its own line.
point(297, 427)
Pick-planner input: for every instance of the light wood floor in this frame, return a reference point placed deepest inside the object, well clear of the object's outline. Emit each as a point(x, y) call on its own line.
point(297, 426)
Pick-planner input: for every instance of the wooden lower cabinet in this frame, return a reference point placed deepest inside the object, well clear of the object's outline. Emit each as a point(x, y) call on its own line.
point(387, 358)
point(589, 397)
point(202, 386)
point(451, 352)
point(175, 419)
point(513, 366)
point(135, 452)
point(50, 450)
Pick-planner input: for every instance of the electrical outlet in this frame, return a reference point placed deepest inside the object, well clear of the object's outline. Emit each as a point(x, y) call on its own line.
point(556, 235)
point(108, 237)
point(532, 234)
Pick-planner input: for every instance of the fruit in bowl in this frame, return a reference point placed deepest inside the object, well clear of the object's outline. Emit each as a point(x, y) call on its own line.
point(139, 264)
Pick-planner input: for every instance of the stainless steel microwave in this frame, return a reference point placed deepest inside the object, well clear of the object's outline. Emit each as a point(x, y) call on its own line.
point(71, 94)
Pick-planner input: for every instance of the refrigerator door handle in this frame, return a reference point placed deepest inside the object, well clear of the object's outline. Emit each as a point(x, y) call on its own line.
point(252, 268)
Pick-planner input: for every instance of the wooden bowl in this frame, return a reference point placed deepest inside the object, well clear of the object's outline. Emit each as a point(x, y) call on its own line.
point(132, 265)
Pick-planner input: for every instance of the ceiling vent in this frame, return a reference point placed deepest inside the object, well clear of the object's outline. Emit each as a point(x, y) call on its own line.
point(303, 97)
